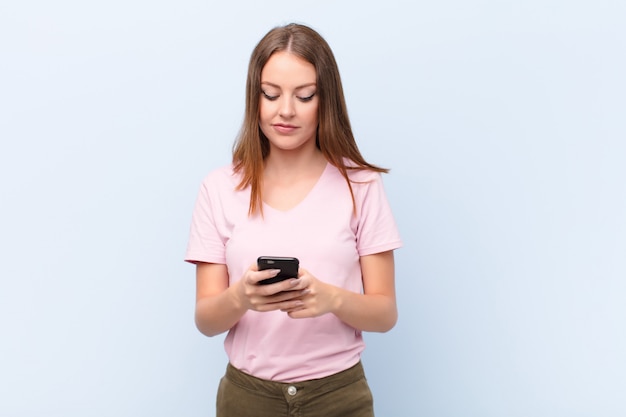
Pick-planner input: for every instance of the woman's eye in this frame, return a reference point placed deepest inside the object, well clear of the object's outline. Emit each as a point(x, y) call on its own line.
point(269, 97)
point(307, 98)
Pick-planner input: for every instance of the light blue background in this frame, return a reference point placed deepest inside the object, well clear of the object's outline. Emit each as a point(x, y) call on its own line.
point(503, 122)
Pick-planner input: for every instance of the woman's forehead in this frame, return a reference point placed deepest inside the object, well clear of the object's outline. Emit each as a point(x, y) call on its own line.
point(286, 68)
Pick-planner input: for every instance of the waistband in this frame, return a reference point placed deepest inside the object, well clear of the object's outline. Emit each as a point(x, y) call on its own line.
point(279, 389)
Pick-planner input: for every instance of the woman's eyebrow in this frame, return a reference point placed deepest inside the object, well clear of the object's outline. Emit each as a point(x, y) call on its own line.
point(297, 88)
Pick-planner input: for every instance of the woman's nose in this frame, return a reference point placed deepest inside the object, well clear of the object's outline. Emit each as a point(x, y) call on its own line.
point(287, 108)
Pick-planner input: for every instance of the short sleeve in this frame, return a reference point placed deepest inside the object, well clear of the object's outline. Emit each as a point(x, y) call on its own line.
point(376, 229)
point(205, 241)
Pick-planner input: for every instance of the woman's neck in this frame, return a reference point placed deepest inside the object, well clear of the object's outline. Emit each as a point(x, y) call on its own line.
point(293, 164)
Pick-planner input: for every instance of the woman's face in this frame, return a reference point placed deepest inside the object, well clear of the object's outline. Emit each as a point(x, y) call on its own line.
point(289, 102)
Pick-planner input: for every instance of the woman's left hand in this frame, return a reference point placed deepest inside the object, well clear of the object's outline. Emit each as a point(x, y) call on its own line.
point(373, 310)
point(320, 298)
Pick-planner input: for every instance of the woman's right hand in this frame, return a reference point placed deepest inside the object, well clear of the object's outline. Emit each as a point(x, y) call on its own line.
point(219, 306)
point(277, 296)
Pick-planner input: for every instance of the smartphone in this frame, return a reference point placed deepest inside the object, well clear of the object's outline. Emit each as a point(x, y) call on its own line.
point(288, 268)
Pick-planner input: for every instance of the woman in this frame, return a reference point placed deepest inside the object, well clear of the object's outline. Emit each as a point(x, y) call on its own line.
point(298, 187)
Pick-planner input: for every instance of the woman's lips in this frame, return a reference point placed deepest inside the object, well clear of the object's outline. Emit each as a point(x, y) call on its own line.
point(284, 128)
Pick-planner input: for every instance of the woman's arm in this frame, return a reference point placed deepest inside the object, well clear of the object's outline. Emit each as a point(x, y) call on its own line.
point(217, 306)
point(220, 306)
point(375, 310)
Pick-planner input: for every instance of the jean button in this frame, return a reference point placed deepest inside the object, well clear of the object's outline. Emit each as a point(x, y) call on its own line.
point(292, 390)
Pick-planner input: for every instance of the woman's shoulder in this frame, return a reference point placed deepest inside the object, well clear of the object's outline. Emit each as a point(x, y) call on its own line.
point(360, 175)
point(363, 175)
point(223, 175)
point(223, 170)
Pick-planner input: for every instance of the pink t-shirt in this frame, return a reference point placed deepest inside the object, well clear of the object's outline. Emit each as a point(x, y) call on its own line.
point(328, 239)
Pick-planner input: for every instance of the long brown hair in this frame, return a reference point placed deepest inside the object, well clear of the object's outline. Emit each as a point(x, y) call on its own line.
point(334, 134)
